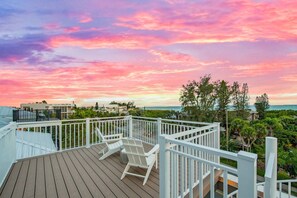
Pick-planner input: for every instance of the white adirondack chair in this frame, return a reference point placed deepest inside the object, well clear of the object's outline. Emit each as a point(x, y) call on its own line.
point(110, 148)
point(138, 158)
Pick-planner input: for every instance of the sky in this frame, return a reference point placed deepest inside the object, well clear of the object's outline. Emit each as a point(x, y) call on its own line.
point(144, 51)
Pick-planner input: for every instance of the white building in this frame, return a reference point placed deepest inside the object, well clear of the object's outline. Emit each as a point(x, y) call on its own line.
point(66, 109)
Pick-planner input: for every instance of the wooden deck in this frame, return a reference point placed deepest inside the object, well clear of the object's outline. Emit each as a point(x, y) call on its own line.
point(76, 173)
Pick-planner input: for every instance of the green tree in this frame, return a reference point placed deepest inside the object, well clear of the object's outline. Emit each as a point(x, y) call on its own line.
point(223, 96)
point(274, 125)
point(262, 104)
point(247, 136)
point(96, 106)
point(198, 99)
point(240, 99)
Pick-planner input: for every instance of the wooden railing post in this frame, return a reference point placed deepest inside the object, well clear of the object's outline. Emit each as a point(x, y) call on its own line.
point(164, 168)
point(270, 177)
point(130, 126)
point(159, 128)
point(247, 174)
point(88, 132)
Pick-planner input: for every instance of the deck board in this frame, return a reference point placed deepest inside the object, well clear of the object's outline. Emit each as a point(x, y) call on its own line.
point(11, 181)
point(77, 173)
point(20, 183)
point(31, 177)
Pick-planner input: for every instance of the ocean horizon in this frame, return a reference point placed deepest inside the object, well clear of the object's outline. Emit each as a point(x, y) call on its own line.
point(252, 107)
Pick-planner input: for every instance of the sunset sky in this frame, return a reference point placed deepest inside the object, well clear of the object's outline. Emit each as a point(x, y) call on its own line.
point(144, 51)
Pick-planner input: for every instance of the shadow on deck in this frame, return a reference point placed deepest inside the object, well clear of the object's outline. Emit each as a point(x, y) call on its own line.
point(76, 173)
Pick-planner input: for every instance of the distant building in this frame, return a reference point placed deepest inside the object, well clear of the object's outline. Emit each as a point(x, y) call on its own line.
point(113, 108)
point(66, 109)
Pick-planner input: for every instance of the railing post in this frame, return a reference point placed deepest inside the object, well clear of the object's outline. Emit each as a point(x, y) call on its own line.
point(159, 128)
point(164, 171)
point(130, 126)
point(88, 132)
point(60, 136)
point(217, 138)
point(270, 182)
point(247, 174)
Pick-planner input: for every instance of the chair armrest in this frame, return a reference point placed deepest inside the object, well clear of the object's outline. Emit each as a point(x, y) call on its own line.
point(155, 149)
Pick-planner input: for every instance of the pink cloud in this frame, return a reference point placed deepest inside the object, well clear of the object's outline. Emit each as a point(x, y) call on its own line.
point(85, 19)
point(242, 20)
point(107, 41)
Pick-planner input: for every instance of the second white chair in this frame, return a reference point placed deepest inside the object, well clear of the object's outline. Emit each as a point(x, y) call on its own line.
point(138, 158)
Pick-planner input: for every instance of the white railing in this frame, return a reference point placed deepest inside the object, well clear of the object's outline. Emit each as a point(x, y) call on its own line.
point(284, 188)
point(149, 129)
point(8, 150)
point(185, 165)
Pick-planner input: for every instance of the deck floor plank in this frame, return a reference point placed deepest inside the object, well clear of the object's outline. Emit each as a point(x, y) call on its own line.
point(129, 188)
point(58, 178)
point(12, 179)
point(134, 184)
point(90, 184)
point(96, 179)
point(31, 178)
point(69, 182)
point(106, 178)
point(51, 191)
point(20, 184)
point(40, 179)
point(84, 191)
point(77, 173)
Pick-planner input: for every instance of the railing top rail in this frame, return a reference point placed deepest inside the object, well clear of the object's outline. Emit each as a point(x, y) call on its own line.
point(286, 180)
point(180, 134)
point(110, 118)
point(69, 120)
point(28, 124)
point(218, 152)
point(39, 122)
point(188, 122)
point(214, 164)
point(145, 118)
point(6, 129)
point(172, 120)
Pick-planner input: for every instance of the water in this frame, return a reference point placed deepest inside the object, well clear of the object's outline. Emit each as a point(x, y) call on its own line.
point(252, 107)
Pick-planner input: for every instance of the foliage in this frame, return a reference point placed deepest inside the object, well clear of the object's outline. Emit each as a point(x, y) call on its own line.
point(223, 97)
point(262, 104)
point(240, 99)
point(153, 113)
point(96, 106)
point(81, 113)
point(129, 105)
point(198, 99)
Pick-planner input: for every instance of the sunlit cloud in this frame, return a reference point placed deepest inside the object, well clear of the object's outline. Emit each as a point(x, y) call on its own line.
point(145, 52)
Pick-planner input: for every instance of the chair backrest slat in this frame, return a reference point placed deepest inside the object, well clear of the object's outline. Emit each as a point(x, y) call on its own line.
point(99, 134)
point(135, 152)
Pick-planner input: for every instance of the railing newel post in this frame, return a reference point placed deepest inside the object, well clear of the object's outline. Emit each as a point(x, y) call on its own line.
point(159, 128)
point(270, 180)
point(247, 174)
point(88, 132)
point(130, 126)
point(164, 171)
point(60, 136)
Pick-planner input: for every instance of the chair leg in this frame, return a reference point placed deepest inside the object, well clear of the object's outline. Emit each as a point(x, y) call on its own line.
point(125, 171)
point(148, 173)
